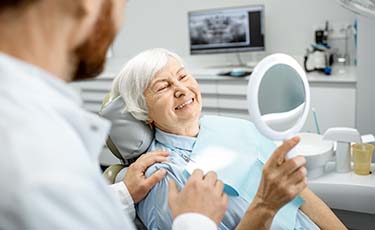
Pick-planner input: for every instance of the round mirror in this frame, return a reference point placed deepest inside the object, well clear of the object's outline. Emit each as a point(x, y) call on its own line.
point(278, 97)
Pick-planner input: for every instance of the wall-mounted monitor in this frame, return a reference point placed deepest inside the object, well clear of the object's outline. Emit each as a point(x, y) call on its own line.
point(226, 30)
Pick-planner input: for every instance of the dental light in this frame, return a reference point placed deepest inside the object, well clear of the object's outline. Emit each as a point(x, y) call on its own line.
point(362, 7)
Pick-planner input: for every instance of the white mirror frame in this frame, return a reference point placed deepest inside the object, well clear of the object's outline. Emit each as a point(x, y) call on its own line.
point(253, 91)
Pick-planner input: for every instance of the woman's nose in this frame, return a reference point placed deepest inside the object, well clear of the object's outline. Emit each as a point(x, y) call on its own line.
point(180, 90)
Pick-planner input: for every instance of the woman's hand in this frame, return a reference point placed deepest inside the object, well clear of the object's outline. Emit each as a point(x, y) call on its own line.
point(282, 180)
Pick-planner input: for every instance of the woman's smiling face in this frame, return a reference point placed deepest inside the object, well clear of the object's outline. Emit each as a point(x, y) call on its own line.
point(173, 98)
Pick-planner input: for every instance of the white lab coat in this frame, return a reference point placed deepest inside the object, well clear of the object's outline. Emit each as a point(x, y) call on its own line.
point(49, 171)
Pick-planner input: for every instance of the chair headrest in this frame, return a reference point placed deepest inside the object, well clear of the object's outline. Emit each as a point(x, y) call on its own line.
point(129, 136)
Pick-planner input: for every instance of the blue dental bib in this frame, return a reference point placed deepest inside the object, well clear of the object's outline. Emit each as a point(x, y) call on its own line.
point(236, 151)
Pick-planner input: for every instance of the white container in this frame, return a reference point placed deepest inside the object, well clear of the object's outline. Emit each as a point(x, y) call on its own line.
point(316, 151)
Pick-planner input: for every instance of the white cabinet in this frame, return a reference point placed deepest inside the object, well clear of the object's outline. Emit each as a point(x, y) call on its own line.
point(225, 96)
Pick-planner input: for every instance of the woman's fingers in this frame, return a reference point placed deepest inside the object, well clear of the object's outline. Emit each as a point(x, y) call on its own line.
point(282, 179)
point(278, 157)
point(300, 186)
point(293, 164)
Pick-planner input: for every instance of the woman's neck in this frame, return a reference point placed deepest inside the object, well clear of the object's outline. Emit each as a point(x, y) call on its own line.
point(188, 130)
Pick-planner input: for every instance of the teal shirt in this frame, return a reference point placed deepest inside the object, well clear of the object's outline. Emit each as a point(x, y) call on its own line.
point(154, 211)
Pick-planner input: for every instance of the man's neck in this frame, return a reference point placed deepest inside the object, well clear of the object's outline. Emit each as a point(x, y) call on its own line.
point(36, 45)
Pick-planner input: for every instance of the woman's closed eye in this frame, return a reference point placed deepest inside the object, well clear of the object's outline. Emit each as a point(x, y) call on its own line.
point(182, 77)
point(162, 88)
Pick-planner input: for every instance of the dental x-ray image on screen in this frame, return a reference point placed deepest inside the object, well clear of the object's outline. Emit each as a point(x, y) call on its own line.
point(226, 30)
point(223, 29)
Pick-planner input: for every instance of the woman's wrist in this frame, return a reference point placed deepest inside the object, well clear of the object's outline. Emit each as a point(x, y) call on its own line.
point(262, 208)
point(258, 216)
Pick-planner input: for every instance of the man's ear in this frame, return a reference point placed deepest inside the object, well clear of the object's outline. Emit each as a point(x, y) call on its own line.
point(85, 14)
point(118, 8)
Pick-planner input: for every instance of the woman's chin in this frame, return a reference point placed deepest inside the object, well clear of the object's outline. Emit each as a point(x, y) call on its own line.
point(188, 116)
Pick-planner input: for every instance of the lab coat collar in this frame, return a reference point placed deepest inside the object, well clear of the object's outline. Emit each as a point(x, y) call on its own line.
point(60, 97)
point(11, 64)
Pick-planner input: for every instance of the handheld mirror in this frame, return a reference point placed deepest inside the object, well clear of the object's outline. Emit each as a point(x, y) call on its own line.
point(278, 97)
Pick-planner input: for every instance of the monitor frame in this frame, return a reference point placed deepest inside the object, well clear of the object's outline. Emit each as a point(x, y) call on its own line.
point(228, 49)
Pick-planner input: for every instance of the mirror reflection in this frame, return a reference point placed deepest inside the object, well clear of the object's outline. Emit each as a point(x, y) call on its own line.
point(281, 97)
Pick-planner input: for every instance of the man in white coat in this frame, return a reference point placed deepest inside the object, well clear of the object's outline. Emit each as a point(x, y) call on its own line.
point(49, 171)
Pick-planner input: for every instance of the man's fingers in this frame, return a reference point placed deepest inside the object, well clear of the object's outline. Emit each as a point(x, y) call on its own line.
point(197, 174)
point(219, 186)
point(172, 189)
point(210, 178)
point(225, 199)
point(150, 160)
point(279, 155)
point(153, 154)
point(158, 153)
point(155, 177)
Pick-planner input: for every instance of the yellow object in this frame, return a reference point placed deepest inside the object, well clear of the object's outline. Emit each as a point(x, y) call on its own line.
point(362, 154)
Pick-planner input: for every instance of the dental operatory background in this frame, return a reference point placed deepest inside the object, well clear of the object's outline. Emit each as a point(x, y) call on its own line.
point(221, 43)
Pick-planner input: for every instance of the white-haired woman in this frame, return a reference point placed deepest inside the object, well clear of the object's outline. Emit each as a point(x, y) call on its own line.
point(158, 90)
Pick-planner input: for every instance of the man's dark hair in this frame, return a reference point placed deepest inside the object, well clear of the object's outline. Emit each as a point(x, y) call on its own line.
point(14, 4)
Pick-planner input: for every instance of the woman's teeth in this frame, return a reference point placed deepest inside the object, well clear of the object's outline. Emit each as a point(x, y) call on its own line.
point(184, 104)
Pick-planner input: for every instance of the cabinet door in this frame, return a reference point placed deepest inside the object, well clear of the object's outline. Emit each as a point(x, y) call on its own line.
point(232, 100)
point(209, 96)
point(334, 106)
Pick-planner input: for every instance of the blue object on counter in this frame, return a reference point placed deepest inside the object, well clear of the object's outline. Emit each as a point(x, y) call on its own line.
point(236, 73)
point(328, 70)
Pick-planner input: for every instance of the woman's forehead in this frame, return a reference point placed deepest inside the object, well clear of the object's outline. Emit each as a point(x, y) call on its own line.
point(173, 66)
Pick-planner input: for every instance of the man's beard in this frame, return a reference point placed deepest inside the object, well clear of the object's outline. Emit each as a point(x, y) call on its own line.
point(91, 55)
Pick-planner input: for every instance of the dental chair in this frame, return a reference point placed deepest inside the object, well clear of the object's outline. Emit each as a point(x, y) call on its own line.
point(127, 140)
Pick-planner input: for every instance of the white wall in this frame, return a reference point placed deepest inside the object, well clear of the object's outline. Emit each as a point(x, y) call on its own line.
point(366, 76)
point(163, 23)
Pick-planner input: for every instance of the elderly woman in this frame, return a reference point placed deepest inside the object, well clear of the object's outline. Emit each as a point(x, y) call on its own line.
point(158, 90)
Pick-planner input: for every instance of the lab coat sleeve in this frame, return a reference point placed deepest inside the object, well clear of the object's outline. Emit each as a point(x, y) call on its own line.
point(122, 193)
point(188, 221)
point(192, 221)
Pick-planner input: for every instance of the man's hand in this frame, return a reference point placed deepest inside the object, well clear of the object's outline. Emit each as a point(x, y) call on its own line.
point(135, 180)
point(282, 180)
point(201, 194)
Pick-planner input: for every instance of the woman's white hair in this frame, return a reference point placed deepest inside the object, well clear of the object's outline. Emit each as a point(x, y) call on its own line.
point(135, 77)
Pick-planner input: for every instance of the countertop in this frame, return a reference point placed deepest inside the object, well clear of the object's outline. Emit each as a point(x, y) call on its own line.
point(339, 75)
point(346, 191)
